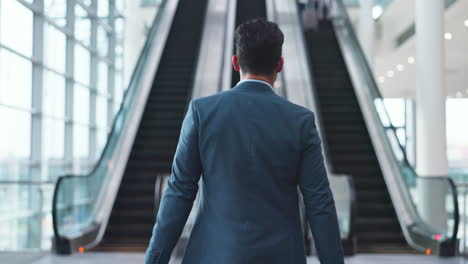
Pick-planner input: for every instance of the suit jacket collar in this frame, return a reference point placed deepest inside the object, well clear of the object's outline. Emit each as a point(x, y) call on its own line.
point(254, 86)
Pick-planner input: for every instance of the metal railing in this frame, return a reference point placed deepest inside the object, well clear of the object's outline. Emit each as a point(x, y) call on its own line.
point(82, 203)
point(402, 180)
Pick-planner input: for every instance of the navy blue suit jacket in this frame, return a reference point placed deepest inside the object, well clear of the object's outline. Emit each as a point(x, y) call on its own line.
point(249, 149)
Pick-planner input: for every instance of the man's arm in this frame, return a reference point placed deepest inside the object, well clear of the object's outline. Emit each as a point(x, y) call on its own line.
point(179, 195)
point(318, 198)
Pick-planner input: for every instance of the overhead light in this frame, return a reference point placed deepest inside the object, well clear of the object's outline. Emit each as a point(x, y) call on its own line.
point(400, 67)
point(466, 23)
point(381, 79)
point(390, 74)
point(377, 12)
point(411, 60)
point(448, 36)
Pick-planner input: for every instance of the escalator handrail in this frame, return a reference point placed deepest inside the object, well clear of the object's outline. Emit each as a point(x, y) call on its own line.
point(377, 94)
point(351, 186)
point(141, 62)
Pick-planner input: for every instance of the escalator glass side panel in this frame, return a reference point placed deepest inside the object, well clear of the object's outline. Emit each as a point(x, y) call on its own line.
point(247, 9)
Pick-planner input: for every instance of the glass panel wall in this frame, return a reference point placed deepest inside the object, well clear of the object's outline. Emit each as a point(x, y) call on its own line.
point(393, 57)
point(57, 103)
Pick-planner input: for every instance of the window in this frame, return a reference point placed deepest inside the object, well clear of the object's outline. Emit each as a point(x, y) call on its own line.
point(103, 9)
point(54, 48)
point(56, 10)
point(82, 65)
point(70, 107)
point(15, 133)
point(54, 94)
point(82, 25)
point(101, 140)
point(81, 105)
point(80, 141)
point(101, 112)
point(120, 5)
point(54, 138)
point(17, 37)
point(102, 84)
point(102, 41)
point(15, 89)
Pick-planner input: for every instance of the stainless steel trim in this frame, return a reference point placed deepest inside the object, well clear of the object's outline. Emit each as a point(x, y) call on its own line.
point(229, 46)
point(401, 198)
point(117, 165)
point(297, 77)
point(215, 38)
point(298, 88)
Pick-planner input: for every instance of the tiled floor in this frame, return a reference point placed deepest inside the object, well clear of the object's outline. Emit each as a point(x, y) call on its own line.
point(126, 258)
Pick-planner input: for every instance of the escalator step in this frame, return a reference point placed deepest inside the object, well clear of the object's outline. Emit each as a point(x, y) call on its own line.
point(133, 215)
point(349, 145)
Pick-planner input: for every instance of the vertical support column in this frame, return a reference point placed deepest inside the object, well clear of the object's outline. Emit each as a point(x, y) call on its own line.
point(69, 86)
point(36, 171)
point(431, 155)
point(367, 29)
point(93, 84)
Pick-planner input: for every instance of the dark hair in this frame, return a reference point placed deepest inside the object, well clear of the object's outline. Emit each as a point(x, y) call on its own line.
point(258, 46)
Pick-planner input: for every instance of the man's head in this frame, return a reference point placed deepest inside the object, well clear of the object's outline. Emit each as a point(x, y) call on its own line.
point(258, 48)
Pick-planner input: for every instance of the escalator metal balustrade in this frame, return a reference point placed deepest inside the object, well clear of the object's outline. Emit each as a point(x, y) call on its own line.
point(361, 143)
point(133, 213)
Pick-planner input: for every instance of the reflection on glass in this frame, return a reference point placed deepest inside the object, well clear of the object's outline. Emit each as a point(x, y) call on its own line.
point(457, 131)
point(56, 10)
point(17, 37)
point(82, 25)
point(15, 133)
point(81, 104)
point(118, 90)
point(401, 134)
point(380, 107)
point(80, 141)
point(103, 9)
point(119, 50)
point(102, 41)
point(150, 2)
point(54, 94)
point(82, 64)
point(119, 27)
point(15, 80)
point(102, 85)
point(23, 217)
point(54, 48)
point(88, 2)
point(101, 112)
point(396, 111)
point(101, 141)
point(120, 5)
point(54, 138)
point(118, 62)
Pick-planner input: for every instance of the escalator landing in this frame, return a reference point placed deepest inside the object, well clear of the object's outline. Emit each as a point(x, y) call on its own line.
point(124, 258)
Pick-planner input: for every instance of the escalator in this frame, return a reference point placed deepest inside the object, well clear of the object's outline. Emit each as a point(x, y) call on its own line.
point(247, 9)
point(349, 145)
point(362, 143)
point(132, 217)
